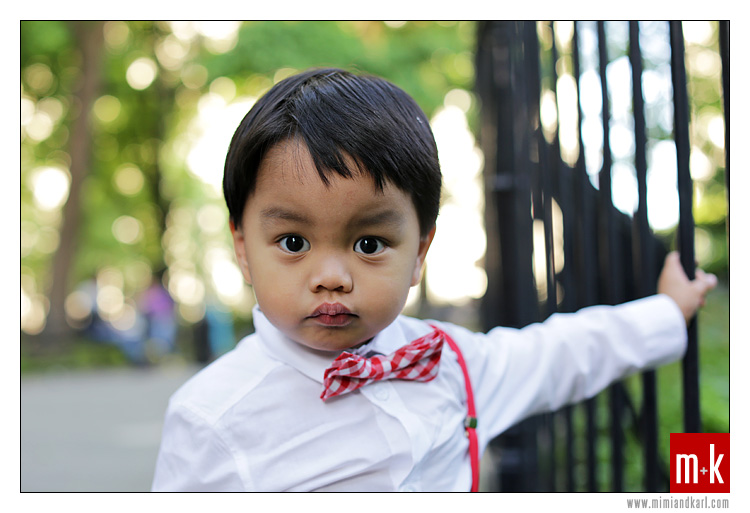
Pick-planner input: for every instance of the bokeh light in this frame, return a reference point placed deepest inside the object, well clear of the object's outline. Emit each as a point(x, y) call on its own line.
point(128, 179)
point(107, 108)
point(50, 187)
point(454, 273)
point(127, 229)
point(141, 73)
point(210, 130)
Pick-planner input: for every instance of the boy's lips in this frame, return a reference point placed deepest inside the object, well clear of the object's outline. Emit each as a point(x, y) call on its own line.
point(332, 314)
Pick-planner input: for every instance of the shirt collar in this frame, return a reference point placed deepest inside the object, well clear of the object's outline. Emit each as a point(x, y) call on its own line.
point(312, 362)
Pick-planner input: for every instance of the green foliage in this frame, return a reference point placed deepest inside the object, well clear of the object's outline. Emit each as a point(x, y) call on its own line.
point(264, 47)
point(425, 59)
point(43, 38)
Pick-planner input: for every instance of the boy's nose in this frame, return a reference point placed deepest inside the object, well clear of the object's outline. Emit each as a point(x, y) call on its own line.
point(331, 274)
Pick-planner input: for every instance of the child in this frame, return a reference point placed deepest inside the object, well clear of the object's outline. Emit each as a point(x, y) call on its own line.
point(333, 185)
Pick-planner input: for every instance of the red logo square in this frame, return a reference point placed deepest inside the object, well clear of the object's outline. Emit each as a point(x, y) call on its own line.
point(699, 463)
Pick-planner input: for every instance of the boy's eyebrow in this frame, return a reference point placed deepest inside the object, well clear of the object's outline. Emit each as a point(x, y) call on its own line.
point(379, 218)
point(282, 214)
point(384, 217)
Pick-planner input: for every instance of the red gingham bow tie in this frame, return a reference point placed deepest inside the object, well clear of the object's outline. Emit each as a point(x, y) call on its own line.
point(417, 361)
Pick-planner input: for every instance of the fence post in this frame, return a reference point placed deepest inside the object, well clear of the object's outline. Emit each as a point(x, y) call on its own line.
point(644, 257)
point(505, 138)
point(610, 258)
point(585, 240)
point(564, 187)
point(724, 50)
point(685, 231)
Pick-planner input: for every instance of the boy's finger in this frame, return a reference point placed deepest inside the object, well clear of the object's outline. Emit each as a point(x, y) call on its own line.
point(672, 264)
point(704, 281)
point(673, 256)
point(708, 278)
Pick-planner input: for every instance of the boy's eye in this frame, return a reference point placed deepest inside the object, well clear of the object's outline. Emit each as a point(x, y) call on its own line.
point(294, 244)
point(369, 246)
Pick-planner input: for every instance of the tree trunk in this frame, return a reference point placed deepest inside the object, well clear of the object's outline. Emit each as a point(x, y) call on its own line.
point(89, 39)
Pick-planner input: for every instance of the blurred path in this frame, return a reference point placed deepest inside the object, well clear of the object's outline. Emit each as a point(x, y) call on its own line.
point(94, 431)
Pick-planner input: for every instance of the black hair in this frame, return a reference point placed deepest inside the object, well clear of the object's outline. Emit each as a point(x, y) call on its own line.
point(338, 114)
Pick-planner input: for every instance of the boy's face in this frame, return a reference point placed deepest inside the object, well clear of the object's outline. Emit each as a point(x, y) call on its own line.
point(331, 266)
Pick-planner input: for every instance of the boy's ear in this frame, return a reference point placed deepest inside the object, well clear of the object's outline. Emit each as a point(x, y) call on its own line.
point(424, 245)
point(240, 251)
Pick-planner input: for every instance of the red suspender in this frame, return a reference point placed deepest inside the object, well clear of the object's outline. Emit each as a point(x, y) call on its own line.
point(471, 418)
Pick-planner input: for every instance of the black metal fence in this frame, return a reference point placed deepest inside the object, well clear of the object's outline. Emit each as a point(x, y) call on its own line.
point(539, 198)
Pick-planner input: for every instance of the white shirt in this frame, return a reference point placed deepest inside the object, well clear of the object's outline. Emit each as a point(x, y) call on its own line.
point(253, 420)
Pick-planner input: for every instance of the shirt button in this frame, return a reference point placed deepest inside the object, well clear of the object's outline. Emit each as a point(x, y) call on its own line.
point(381, 393)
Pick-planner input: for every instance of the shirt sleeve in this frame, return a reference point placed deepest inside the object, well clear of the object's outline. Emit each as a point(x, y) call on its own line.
point(193, 457)
point(517, 373)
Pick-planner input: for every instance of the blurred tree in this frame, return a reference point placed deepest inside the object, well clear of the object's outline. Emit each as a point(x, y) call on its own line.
point(88, 42)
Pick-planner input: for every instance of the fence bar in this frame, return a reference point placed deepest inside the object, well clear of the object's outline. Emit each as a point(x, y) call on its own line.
point(506, 125)
point(586, 265)
point(607, 249)
point(565, 304)
point(585, 235)
point(609, 257)
point(685, 231)
point(644, 256)
point(724, 50)
point(545, 167)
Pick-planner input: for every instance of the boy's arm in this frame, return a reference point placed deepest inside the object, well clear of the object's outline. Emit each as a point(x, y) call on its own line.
point(689, 295)
point(517, 373)
point(570, 357)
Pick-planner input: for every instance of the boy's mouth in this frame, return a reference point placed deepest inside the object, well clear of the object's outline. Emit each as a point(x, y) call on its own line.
point(332, 314)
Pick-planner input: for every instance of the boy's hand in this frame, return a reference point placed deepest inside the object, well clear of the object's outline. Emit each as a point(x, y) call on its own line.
point(689, 295)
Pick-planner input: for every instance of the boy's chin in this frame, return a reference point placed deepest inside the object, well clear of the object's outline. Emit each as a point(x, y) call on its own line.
point(332, 339)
